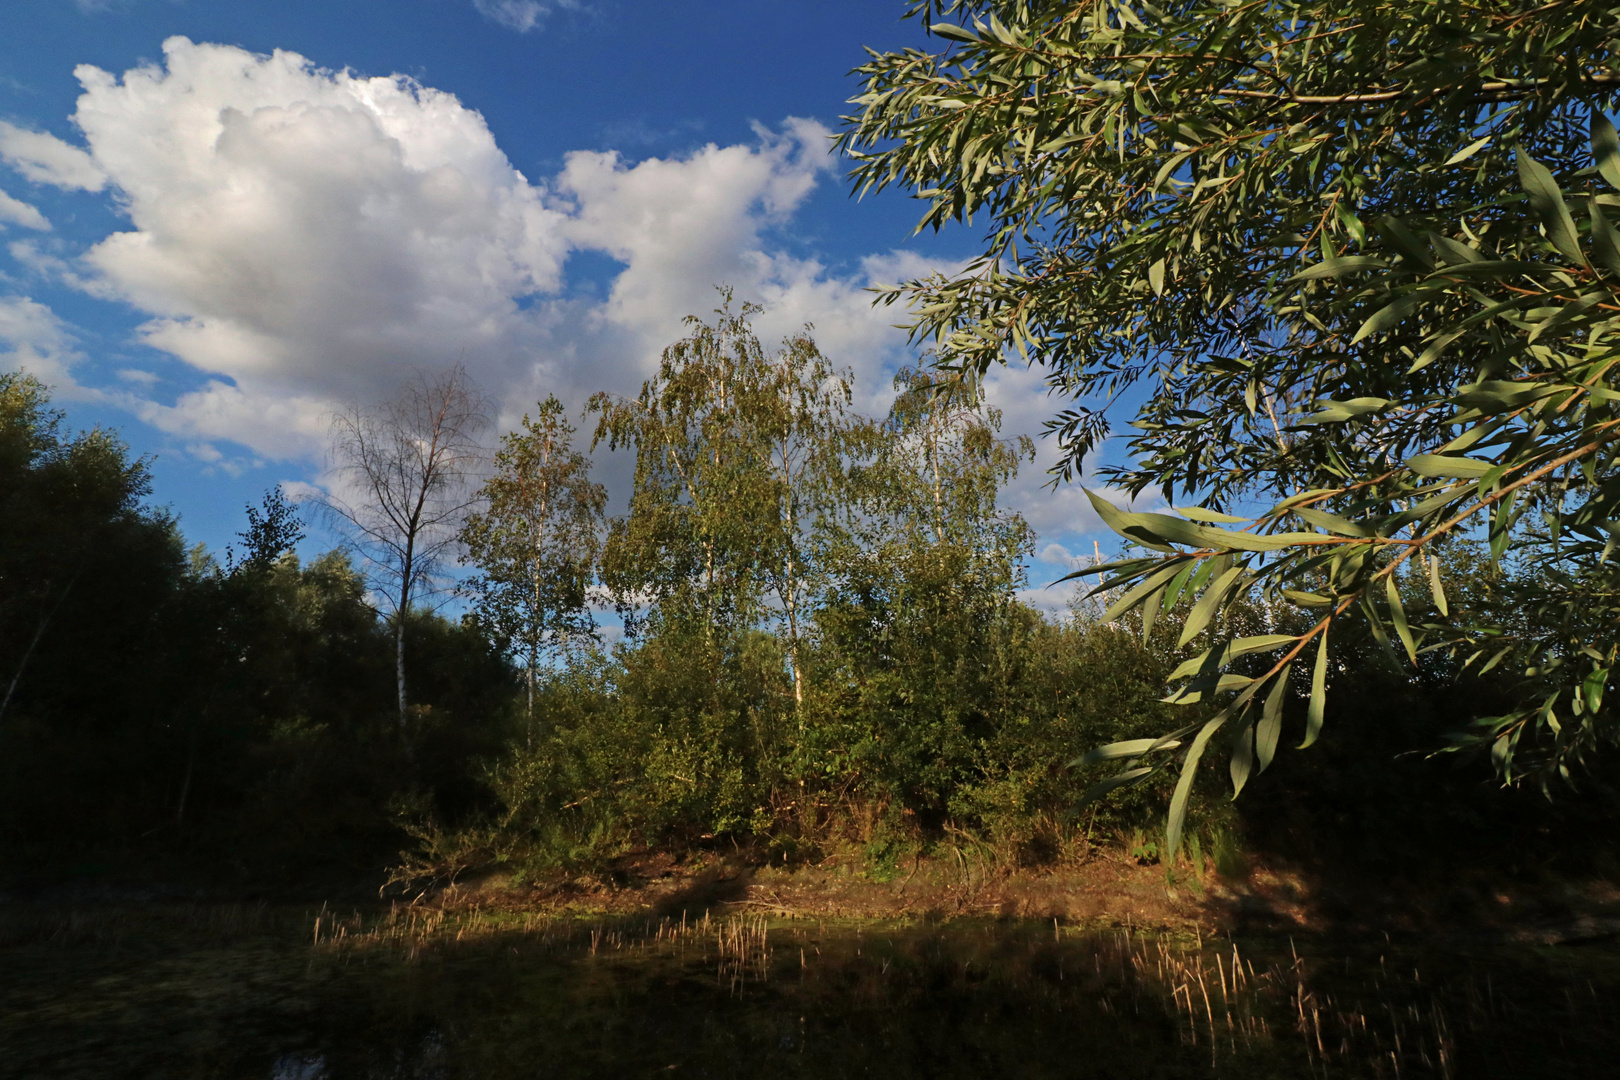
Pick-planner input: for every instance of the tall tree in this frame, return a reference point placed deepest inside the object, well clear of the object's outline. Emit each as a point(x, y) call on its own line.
point(923, 579)
point(66, 505)
point(536, 542)
point(738, 456)
point(925, 499)
point(1359, 254)
point(406, 480)
point(800, 405)
point(941, 465)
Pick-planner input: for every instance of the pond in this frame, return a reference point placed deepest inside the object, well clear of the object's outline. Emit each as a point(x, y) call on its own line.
point(281, 994)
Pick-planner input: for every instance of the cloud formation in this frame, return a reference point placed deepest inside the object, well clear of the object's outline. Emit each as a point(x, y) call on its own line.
point(304, 237)
point(16, 212)
point(33, 339)
point(520, 15)
point(301, 238)
point(45, 159)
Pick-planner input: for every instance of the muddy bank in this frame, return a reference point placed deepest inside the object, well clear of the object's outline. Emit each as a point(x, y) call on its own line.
point(1108, 890)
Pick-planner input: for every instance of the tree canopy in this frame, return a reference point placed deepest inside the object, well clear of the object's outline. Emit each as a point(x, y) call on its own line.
point(536, 542)
point(1352, 265)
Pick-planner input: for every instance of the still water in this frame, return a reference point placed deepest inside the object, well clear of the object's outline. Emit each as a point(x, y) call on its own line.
point(272, 994)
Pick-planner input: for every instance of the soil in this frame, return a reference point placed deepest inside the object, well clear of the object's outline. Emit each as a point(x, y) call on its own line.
point(1107, 889)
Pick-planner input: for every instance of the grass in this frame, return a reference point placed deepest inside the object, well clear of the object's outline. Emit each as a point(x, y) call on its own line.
point(229, 990)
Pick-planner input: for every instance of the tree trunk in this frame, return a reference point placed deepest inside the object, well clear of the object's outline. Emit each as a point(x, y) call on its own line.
point(399, 629)
point(399, 665)
point(793, 639)
point(534, 659)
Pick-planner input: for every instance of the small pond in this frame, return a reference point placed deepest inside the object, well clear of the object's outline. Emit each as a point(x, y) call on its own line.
point(278, 994)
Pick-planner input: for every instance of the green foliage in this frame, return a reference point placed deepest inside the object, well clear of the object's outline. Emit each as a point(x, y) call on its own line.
point(237, 715)
point(651, 745)
point(832, 634)
point(656, 742)
point(1359, 256)
point(536, 542)
point(739, 466)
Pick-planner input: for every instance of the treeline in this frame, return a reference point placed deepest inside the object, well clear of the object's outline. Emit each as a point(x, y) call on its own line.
point(821, 633)
point(823, 640)
point(156, 699)
point(822, 645)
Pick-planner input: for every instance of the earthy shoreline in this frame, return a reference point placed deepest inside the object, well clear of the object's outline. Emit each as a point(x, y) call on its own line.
point(1106, 891)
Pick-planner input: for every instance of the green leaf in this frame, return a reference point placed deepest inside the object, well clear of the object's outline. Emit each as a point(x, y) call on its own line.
point(1300, 496)
point(1231, 651)
point(1606, 148)
point(1605, 244)
point(1198, 513)
point(1435, 349)
point(1178, 802)
point(1435, 588)
point(1141, 591)
point(1242, 764)
point(1209, 604)
point(1314, 712)
point(1128, 778)
point(1150, 612)
point(1453, 252)
point(1501, 395)
point(1567, 315)
point(1194, 691)
point(1156, 277)
point(1548, 200)
point(1335, 411)
point(1169, 167)
point(954, 33)
point(1127, 749)
point(1389, 316)
point(1469, 151)
point(1270, 727)
point(1332, 522)
point(1592, 688)
point(1351, 223)
point(1348, 264)
point(1445, 465)
point(1397, 611)
point(1159, 531)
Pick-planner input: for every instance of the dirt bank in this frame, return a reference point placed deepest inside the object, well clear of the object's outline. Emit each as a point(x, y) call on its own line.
point(1106, 890)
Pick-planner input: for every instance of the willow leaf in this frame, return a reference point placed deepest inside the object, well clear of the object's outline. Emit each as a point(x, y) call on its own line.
point(1178, 801)
point(1314, 711)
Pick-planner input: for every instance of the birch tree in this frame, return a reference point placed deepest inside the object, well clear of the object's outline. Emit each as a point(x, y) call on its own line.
point(801, 407)
point(406, 474)
point(740, 458)
point(536, 542)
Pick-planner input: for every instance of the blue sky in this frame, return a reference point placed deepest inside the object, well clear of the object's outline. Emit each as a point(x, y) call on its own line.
point(221, 220)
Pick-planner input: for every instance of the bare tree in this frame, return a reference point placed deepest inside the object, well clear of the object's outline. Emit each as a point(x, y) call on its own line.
point(408, 470)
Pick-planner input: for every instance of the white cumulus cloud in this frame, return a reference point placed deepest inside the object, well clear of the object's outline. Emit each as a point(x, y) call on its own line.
point(17, 212)
point(307, 235)
point(304, 237)
point(45, 159)
point(34, 340)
